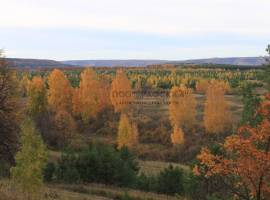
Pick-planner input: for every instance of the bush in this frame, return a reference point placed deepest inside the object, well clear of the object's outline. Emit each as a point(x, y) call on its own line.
point(4, 169)
point(146, 183)
point(48, 172)
point(170, 181)
point(66, 169)
point(98, 163)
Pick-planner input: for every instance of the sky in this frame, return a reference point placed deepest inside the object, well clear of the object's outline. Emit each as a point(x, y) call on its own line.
point(134, 29)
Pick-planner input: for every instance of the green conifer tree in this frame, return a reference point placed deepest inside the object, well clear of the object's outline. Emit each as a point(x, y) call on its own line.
point(30, 161)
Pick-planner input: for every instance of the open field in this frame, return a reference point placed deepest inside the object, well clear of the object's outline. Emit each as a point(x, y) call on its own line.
point(82, 192)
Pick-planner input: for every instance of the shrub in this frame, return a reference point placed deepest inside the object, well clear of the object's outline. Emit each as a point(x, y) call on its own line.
point(48, 171)
point(98, 163)
point(170, 181)
point(67, 168)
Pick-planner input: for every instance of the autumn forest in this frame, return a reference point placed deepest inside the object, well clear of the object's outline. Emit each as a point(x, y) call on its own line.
point(157, 132)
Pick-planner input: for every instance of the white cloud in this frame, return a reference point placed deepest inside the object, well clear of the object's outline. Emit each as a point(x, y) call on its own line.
point(172, 17)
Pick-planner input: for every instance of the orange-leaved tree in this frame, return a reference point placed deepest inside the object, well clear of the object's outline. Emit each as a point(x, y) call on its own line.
point(121, 92)
point(60, 91)
point(216, 110)
point(244, 167)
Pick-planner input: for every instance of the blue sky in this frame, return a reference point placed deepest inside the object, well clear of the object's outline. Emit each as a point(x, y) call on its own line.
point(141, 29)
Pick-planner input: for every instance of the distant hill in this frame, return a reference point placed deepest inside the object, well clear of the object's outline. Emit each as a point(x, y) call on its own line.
point(245, 61)
point(234, 61)
point(31, 63)
point(252, 61)
point(113, 63)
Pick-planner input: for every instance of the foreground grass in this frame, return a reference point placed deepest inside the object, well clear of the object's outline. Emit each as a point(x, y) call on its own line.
point(80, 192)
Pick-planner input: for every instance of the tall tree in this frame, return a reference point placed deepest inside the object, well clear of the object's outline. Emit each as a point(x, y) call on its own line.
point(9, 128)
point(182, 108)
point(216, 110)
point(30, 160)
point(244, 165)
point(121, 92)
point(89, 94)
point(60, 91)
point(37, 99)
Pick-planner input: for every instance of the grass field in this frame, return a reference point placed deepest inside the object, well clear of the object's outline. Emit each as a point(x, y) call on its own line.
point(81, 192)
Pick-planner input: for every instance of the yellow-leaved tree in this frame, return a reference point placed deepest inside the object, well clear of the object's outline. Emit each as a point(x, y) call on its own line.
point(182, 108)
point(127, 133)
point(37, 99)
point(121, 92)
point(89, 94)
point(177, 137)
point(202, 85)
point(216, 110)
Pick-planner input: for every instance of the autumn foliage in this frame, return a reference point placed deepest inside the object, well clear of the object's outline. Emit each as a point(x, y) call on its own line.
point(216, 113)
point(177, 136)
point(121, 92)
point(91, 96)
point(245, 165)
point(202, 85)
point(60, 91)
point(127, 132)
point(182, 107)
point(37, 96)
point(88, 94)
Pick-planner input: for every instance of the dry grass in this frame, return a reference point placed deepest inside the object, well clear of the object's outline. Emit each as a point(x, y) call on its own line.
point(154, 167)
point(114, 192)
point(79, 192)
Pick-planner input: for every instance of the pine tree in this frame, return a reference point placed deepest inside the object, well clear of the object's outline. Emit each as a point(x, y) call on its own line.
point(30, 160)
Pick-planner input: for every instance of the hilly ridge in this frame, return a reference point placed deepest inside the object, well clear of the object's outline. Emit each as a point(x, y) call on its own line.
point(235, 61)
